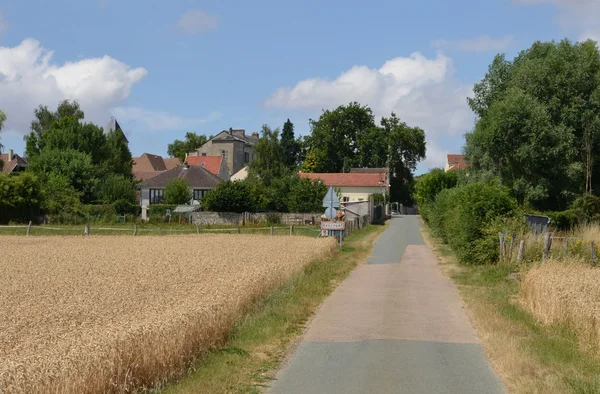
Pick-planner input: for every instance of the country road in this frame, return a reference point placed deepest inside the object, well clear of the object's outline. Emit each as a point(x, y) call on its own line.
point(395, 325)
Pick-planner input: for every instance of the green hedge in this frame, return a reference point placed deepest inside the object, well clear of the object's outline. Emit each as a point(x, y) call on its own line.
point(160, 209)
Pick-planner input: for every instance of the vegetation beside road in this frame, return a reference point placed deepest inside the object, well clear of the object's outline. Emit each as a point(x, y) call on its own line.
point(247, 361)
point(530, 357)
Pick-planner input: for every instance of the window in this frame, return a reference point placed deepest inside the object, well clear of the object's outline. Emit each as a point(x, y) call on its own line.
point(224, 153)
point(156, 196)
point(198, 194)
point(246, 157)
point(345, 199)
point(204, 154)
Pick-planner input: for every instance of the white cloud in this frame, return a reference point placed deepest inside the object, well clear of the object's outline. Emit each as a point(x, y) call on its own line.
point(581, 16)
point(195, 22)
point(477, 44)
point(28, 78)
point(157, 120)
point(423, 92)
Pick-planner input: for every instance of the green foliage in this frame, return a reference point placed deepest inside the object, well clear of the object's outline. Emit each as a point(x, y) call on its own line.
point(20, 198)
point(564, 220)
point(59, 195)
point(467, 218)
point(160, 209)
point(124, 207)
point(179, 148)
point(430, 185)
point(76, 167)
point(291, 146)
point(117, 158)
point(229, 197)
point(380, 198)
point(539, 123)
point(306, 195)
point(117, 187)
point(273, 218)
point(2, 120)
point(269, 163)
point(177, 192)
point(587, 208)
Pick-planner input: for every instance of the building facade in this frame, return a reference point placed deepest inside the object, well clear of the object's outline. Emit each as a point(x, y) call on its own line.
point(235, 146)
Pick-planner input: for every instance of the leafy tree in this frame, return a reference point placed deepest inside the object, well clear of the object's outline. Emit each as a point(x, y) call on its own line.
point(117, 157)
point(430, 185)
point(269, 163)
point(180, 148)
point(59, 196)
point(229, 197)
point(44, 118)
point(177, 192)
point(2, 120)
point(20, 197)
point(117, 187)
point(306, 195)
point(76, 167)
point(560, 84)
point(309, 164)
point(291, 146)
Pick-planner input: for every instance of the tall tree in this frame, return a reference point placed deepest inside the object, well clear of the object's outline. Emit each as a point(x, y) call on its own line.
point(2, 120)
point(118, 158)
point(44, 118)
point(179, 148)
point(290, 146)
point(269, 163)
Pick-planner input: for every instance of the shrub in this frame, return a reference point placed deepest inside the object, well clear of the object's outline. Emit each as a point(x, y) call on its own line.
point(430, 185)
point(117, 187)
point(565, 220)
point(125, 207)
point(20, 198)
point(177, 192)
point(587, 208)
point(273, 218)
point(160, 209)
point(229, 197)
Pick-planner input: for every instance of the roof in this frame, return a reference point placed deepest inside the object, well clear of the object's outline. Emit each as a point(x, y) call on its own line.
point(346, 179)
point(369, 170)
point(143, 175)
point(235, 135)
point(211, 163)
point(114, 125)
point(197, 177)
point(17, 161)
point(240, 175)
point(172, 162)
point(456, 162)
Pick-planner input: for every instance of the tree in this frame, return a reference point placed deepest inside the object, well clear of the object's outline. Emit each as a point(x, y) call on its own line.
point(20, 198)
point(430, 185)
point(76, 167)
point(229, 197)
point(269, 163)
point(177, 192)
point(179, 149)
point(2, 120)
point(117, 187)
point(117, 158)
point(306, 195)
point(290, 146)
point(44, 118)
point(59, 196)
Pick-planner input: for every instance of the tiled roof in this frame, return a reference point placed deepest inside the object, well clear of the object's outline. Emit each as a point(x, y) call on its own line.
point(235, 135)
point(9, 166)
point(457, 162)
point(211, 163)
point(172, 162)
point(346, 179)
point(144, 175)
point(370, 170)
point(197, 177)
point(149, 162)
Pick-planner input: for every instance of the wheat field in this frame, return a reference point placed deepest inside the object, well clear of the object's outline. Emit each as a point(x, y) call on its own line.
point(114, 314)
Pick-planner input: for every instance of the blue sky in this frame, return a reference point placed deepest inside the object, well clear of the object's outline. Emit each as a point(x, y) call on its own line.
point(165, 68)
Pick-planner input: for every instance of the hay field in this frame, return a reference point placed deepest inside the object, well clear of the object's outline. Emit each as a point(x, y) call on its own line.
point(565, 292)
point(110, 314)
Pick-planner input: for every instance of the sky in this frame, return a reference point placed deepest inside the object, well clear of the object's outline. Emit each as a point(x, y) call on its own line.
point(166, 68)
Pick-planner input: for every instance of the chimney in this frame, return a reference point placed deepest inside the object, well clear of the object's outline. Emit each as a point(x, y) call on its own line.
point(230, 130)
point(10, 155)
point(255, 134)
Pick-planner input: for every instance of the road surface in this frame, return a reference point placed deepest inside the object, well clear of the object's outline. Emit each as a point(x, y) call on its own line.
point(395, 325)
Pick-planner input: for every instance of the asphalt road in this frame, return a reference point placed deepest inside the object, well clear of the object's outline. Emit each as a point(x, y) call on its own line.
point(395, 325)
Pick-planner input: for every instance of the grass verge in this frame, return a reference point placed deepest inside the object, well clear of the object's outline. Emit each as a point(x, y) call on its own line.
point(247, 362)
point(528, 356)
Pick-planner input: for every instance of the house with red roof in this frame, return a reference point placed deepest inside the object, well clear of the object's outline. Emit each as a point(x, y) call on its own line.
point(148, 166)
point(12, 162)
point(352, 186)
point(455, 163)
point(216, 165)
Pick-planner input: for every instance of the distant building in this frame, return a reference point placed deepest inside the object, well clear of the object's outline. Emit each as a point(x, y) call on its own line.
point(114, 125)
point(383, 171)
point(234, 145)
point(240, 175)
point(13, 162)
point(214, 164)
point(456, 162)
point(353, 187)
point(148, 165)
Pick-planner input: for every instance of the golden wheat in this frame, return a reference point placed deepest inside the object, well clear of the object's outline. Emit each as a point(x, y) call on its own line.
point(566, 292)
point(110, 314)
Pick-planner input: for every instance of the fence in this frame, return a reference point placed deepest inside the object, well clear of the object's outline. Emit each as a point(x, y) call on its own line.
point(544, 246)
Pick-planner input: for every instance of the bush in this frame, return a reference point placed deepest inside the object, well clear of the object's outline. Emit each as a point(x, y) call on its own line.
point(160, 209)
point(429, 186)
point(465, 218)
point(117, 187)
point(229, 197)
point(177, 192)
point(587, 208)
point(20, 198)
point(125, 207)
point(565, 220)
point(273, 218)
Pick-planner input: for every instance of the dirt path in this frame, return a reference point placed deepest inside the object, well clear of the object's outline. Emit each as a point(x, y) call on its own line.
point(396, 325)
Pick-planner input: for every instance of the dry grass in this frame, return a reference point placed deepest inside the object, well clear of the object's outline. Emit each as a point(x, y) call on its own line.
point(109, 314)
point(566, 292)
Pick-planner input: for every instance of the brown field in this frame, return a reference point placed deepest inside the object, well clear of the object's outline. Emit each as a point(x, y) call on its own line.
point(110, 314)
point(566, 292)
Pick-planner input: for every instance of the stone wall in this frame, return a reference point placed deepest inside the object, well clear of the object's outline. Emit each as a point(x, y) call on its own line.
point(238, 219)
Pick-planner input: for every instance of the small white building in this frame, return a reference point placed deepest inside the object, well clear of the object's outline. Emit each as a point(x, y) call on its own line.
point(353, 186)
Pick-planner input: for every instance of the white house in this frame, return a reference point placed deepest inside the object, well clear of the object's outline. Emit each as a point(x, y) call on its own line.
point(353, 186)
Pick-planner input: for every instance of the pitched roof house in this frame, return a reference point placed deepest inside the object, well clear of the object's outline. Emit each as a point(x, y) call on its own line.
point(13, 162)
point(353, 186)
point(214, 164)
point(201, 181)
point(148, 165)
point(456, 162)
point(233, 144)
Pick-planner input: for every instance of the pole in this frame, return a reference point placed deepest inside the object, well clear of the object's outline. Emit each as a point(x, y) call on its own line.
point(29, 228)
point(291, 229)
point(547, 244)
point(135, 229)
point(521, 248)
point(271, 230)
point(198, 229)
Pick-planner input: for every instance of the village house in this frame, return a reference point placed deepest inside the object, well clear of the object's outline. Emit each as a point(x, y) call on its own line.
point(352, 186)
point(234, 145)
point(148, 166)
point(13, 162)
point(455, 162)
point(200, 180)
point(214, 164)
